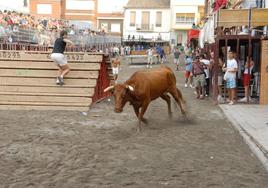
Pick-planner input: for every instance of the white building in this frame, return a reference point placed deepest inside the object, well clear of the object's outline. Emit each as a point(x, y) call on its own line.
point(147, 19)
point(183, 14)
point(110, 17)
point(17, 5)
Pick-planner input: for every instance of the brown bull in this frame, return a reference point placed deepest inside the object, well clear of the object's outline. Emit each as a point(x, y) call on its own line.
point(143, 87)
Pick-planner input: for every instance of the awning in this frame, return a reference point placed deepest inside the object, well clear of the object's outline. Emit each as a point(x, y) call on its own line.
point(192, 34)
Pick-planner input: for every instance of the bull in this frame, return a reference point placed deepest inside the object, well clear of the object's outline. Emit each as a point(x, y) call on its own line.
point(145, 86)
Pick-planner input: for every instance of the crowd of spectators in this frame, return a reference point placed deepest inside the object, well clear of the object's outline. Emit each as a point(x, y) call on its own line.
point(21, 27)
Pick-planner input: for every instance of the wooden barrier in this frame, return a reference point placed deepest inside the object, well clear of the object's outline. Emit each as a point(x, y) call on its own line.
point(27, 81)
point(264, 73)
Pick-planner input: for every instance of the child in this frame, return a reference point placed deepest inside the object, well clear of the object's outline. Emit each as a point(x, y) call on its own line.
point(188, 71)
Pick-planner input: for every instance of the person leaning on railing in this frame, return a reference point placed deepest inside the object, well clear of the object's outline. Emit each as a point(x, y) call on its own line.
point(58, 56)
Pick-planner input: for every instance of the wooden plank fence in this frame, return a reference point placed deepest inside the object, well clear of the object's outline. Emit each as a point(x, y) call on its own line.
point(27, 81)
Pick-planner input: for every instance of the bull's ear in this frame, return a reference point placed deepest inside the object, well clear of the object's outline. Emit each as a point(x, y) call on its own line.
point(130, 88)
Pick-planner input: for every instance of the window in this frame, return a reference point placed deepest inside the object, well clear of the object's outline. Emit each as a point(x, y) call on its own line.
point(132, 18)
point(185, 18)
point(145, 21)
point(158, 19)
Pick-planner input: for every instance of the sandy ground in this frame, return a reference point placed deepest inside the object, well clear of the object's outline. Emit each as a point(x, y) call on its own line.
point(41, 149)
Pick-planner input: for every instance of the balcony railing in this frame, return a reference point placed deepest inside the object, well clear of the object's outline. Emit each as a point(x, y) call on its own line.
point(145, 27)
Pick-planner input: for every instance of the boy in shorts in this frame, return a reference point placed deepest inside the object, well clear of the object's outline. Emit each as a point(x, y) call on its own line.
point(230, 76)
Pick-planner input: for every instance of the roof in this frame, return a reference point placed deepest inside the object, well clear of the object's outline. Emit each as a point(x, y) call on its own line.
point(143, 4)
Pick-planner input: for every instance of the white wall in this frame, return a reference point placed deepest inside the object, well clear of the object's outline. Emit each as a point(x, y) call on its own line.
point(108, 6)
point(13, 5)
point(44, 9)
point(165, 27)
point(164, 30)
point(187, 2)
point(80, 5)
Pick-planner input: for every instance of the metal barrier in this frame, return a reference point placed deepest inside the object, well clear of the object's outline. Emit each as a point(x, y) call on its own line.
point(15, 34)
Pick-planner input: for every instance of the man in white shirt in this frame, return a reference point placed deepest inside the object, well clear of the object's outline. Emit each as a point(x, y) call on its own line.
point(150, 53)
point(230, 76)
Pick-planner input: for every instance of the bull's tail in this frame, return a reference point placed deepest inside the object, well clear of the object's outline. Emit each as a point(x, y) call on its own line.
point(180, 96)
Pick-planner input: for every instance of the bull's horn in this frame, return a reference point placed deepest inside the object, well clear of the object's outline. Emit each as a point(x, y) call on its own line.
point(108, 88)
point(130, 88)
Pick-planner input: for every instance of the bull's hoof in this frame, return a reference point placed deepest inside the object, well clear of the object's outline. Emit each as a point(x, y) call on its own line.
point(145, 121)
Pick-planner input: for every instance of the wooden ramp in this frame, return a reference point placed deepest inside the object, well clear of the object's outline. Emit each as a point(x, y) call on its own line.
point(27, 81)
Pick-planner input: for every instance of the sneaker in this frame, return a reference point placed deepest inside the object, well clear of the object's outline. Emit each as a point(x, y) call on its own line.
point(231, 103)
point(58, 80)
point(151, 66)
point(228, 100)
point(191, 86)
point(147, 66)
point(201, 97)
point(243, 99)
point(185, 85)
point(61, 80)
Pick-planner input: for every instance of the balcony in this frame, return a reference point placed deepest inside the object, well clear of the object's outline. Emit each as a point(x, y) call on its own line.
point(145, 27)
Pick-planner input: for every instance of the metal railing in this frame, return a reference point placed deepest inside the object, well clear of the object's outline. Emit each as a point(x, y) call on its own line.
point(15, 34)
point(145, 27)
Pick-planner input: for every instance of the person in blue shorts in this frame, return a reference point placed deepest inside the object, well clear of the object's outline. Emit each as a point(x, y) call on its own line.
point(230, 76)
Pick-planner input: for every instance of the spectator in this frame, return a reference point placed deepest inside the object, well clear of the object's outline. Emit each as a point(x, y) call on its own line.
point(177, 58)
point(188, 71)
point(150, 53)
point(162, 55)
point(115, 67)
point(207, 67)
point(246, 79)
point(115, 51)
point(199, 77)
point(219, 4)
point(245, 4)
point(122, 50)
point(230, 77)
point(220, 80)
